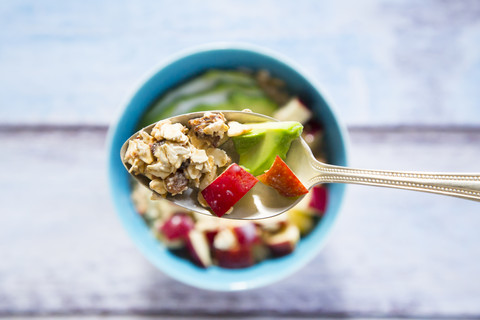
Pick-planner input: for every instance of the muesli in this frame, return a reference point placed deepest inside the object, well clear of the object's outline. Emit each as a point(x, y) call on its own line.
point(175, 157)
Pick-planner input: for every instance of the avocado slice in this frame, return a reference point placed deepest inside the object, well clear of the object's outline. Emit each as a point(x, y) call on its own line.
point(239, 101)
point(259, 147)
point(224, 96)
point(202, 83)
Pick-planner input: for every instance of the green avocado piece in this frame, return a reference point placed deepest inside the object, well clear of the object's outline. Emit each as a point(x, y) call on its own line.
point(239, 101)
point(209, 86)
point(259, 147)
point(224, 96)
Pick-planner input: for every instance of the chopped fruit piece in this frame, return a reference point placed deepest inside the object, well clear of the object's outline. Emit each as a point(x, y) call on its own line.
point(273, 224)
point(294, 110)
point(259, 146)
point(280, 177)
point(260, 252)
point(211, 234)
point(225, 240)
point(209, 228)
point(177, 226)
point(319, 199)
point(229, 253)
point(314, 203)
point(228, 188)
point(303, 220)
point(199, 249)
point(238, 257)
point(283, 242)
point(247, 233)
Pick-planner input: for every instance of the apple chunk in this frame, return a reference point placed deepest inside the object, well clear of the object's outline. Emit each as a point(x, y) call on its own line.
point(247, 233)
point(280, 177)
point(315, 202)
point(284, 241)
point(238, 257)
point(228, 188)
point(319, 199)
point(229, 252)
point(177, 226)
point(199, 249)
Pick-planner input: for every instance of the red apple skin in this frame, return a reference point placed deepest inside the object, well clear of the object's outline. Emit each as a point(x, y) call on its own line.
point(210, 234)
point(319, 199)
point(228, 188)
point(315, 202)
point(284, 241)
point(281, 249)
point(238, 257)
point(177, 226)
point(282, 178)
point(198, 248)
point(247, 234)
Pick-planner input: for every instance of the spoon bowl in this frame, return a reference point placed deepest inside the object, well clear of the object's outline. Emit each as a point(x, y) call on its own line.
point(260, 202)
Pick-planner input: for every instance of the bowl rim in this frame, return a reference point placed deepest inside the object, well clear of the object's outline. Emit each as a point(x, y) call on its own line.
point(197, 281)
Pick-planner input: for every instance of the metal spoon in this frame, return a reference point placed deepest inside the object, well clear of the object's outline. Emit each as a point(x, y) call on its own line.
point(264, 202)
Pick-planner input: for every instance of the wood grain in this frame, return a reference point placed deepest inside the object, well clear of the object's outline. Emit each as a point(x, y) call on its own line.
point(379, 62)
point(392, 254)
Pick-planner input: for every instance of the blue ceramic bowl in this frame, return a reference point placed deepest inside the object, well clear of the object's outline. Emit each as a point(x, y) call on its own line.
point(175, 71)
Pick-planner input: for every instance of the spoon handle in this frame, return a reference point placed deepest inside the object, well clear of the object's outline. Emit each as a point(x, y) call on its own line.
point(466, 186)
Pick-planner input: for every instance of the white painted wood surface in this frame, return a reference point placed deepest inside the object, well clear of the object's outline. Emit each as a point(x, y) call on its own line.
point(379, 61)
point(393, 253)
point(404, 75)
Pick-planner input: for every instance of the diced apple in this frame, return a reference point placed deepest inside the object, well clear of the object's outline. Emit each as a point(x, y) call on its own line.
point(319, 199)
point(238, 257)
point(225, 239)
point(273, 224)
point(283, 242)
point(211, 234)
point(314, 203)
point(246, 233)
point(294, 110)
point(209, 227)
point(170, 244)
point(229, 253)
point(280, 177)
point(228, 188)
point(177, 226)
point(198, 248)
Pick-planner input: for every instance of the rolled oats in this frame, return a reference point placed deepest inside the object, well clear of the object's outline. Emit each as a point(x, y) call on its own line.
point(168, 131)
point(175, 157)
point(220, 157)
point(158, 185)
point(236, 129)
point(211, 128)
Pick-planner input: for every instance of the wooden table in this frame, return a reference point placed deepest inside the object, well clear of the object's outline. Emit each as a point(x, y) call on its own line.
point(66, 67)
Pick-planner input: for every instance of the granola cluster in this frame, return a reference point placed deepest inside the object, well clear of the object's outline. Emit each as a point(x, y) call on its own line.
point(175, 157)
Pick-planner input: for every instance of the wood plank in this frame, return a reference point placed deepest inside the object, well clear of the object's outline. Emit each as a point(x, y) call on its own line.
point(379, 61)
point(393, 253)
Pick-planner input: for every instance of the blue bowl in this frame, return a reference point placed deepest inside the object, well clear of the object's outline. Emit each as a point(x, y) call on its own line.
point(175, 71)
